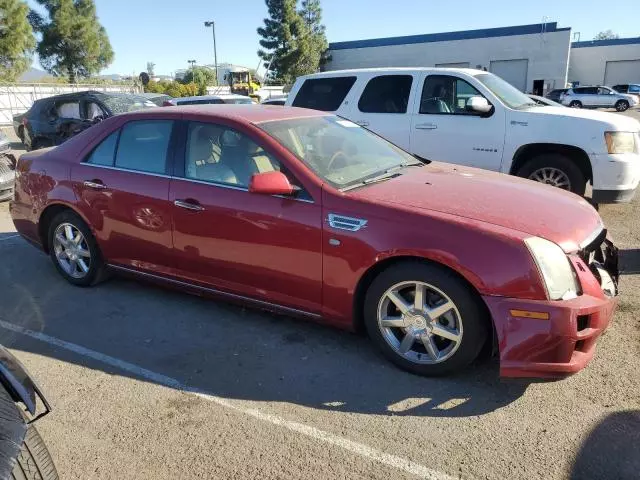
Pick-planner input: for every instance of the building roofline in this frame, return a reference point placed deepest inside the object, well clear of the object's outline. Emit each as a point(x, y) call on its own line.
point(533, 29)
point(606, 43)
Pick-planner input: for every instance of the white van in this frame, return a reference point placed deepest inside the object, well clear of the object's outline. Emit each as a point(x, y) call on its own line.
point(472, 117)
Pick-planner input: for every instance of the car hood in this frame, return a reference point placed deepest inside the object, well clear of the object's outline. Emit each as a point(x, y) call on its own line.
point(612, 121)
point(498, 199)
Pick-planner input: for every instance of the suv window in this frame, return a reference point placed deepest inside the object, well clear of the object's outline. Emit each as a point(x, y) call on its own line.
point(586, 90)
point(70, 109)
point(604, 91)
point(621, 88)
point(143, 146)
point(634, 88)
point(443, 94)
point(386, 94)
point(324, 94)
point(219, 154)
point(103, 154)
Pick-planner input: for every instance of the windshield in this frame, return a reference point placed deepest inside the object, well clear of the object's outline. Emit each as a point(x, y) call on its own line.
point(339, 151)
point(126, 103)
point(507, 93)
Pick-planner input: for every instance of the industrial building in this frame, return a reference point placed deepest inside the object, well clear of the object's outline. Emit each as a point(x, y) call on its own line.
point(534, 58)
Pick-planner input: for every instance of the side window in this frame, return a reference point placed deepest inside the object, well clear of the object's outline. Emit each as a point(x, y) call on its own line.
point(386, 94)
point(219, 154)
point(633, 89)
point(443, 94)
point(326, 94)
point(103, 154)
point(94, 111)
point(68, 110)
point(143, 146)
point(604, 91)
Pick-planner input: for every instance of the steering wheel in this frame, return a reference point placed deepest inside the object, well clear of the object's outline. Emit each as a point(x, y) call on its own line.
point(335, 156)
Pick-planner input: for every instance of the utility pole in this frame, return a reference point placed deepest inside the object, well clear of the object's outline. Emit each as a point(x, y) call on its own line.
point(215, 53)
point(191, 63)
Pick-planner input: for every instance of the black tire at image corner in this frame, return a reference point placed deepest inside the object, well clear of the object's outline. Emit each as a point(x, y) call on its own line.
point(474, 315)
point(560, 162)
point(96, 267)
point(34, 461)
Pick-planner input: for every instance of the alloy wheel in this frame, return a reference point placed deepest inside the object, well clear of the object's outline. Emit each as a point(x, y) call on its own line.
point(420, 322)
point(551, 176)
point(71, 250)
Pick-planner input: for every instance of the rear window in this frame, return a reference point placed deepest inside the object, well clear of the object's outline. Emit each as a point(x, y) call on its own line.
point(386, 94)
point(326, 94)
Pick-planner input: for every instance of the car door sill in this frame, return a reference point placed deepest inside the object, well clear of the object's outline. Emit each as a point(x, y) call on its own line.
point(212, 291)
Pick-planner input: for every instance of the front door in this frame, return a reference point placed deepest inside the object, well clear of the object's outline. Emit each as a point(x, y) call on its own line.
point(383, 107)
point(123, 188)
point(444, 130)
point(605, 97)
point(263, 247)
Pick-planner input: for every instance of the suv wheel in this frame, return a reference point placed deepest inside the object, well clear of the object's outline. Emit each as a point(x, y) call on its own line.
point(74, 250)
point(556, 170)
point(575, 104)
point(622, 105)
point(425, 319)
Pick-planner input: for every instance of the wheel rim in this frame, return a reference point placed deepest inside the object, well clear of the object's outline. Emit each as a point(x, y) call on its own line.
point(71, 250)
point(575, 104)
point(622, 106)
point(551, 176)
point(420, 322)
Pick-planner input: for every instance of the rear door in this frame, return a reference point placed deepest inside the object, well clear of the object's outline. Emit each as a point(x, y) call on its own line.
point(383, 106)
point(122, 188)
point(443, 130)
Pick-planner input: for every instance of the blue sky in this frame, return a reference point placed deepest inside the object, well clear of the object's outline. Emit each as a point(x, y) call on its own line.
point(170, 32)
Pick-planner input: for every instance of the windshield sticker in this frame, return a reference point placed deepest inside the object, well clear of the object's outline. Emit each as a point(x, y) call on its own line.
point(347, 123)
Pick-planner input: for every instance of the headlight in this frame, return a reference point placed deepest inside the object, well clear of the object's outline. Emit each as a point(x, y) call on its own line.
point(620, 142)
point(553, 264)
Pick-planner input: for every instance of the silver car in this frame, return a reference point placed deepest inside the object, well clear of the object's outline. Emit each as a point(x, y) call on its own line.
point(597, 97)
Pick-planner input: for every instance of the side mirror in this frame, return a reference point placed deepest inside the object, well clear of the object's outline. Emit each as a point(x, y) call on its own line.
point(478, 105)
point(271, 183)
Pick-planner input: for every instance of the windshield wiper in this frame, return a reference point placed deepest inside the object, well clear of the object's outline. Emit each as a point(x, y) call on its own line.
point(387, 175)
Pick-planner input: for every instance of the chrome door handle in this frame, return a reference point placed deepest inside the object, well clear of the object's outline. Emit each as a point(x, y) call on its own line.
point(426, 126)
point(363, 123)
point(94, 185)
point(188, 205)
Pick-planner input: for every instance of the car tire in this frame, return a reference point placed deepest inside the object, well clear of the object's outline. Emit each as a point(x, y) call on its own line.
point(34, 460)
point(77, 257)
point(575, 104)
point(554, 167)
point(468, 316)
point(622, 105)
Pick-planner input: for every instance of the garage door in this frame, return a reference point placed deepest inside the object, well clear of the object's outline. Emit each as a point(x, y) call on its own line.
point(622, 71)
point(453, 65)
point(513, 71)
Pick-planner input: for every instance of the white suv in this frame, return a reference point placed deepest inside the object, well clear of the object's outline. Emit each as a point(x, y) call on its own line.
point(597, 97)
point(472, 117)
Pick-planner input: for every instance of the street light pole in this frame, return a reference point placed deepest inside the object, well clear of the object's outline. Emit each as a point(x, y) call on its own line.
point(215, 53)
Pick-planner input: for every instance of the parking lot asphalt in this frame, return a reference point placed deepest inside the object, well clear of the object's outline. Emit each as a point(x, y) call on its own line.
point(150, 383)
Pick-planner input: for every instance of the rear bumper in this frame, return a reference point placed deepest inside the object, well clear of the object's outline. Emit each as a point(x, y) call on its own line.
point(555, 347)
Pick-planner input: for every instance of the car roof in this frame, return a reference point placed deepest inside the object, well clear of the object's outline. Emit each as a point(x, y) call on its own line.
point(355, 71)
point(241, 113)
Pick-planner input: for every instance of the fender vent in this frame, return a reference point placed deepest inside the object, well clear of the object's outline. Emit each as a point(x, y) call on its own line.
point(340, 222)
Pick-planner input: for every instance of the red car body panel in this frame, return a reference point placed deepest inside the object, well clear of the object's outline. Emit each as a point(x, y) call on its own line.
point(282, 251)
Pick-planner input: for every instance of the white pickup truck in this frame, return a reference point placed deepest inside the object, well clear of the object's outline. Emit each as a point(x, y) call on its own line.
point(472, 117)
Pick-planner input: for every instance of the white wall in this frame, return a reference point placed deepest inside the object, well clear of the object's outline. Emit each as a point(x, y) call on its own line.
point(587, 64)
point(548, 55)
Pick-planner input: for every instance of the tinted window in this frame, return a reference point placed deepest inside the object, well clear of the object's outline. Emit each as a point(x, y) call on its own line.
point(586, 90)
point(621, 88)
point(634, 88)
point(324, 94)
point(386, 94)
point(143, 146)
point(442, 94)
point(218, 154)
point(104, 152)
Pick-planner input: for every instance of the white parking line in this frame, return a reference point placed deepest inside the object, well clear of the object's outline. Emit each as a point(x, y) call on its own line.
point(9, 237)
point(354, 447)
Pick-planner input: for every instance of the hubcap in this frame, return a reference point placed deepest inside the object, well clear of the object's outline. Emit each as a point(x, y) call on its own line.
point(71, 250)
point(420, 322)
point(551, 176)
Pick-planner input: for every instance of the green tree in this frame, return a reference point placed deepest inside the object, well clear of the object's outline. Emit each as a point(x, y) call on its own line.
point(279, 41)
point(313, 42)
point(151, 68)
point(606, 35)
point(16, 39)
point(200, 76)
point(73, 41)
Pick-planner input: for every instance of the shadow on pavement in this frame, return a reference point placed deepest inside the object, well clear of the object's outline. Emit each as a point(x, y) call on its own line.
point(224, 350)
point(612, 449)
point(629, 261)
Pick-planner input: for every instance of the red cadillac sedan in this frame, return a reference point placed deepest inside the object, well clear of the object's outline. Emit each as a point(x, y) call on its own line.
point(305, 213)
